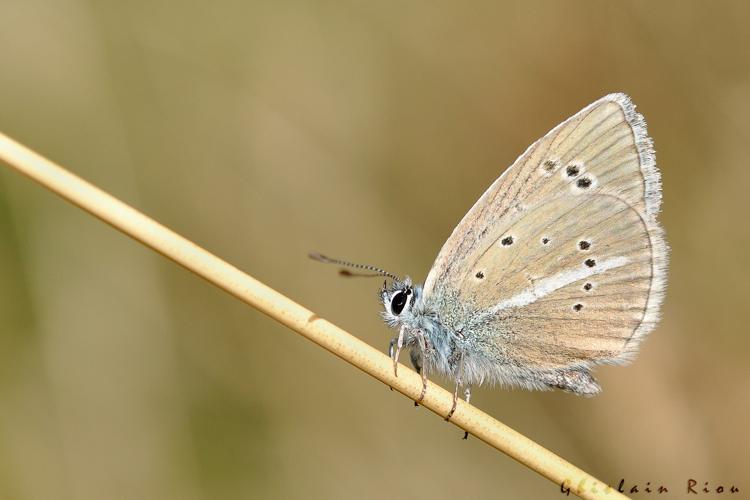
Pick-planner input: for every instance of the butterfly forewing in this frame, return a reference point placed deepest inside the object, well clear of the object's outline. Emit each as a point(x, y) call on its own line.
point(562, 259)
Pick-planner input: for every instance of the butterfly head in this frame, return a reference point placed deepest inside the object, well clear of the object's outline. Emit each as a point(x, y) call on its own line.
point(398, 299)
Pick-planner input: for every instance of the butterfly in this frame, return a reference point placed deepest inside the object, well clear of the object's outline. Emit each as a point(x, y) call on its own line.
point(560, 265)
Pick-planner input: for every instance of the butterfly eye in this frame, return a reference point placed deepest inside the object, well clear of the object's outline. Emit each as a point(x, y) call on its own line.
point(398, 301)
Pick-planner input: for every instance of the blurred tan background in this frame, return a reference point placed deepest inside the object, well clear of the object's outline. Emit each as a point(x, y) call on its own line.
point(263, 130)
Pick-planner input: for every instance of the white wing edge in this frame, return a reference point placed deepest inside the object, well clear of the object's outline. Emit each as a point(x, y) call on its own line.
point(652, 195)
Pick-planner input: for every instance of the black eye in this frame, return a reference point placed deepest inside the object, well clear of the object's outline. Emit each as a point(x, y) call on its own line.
point(398, 302)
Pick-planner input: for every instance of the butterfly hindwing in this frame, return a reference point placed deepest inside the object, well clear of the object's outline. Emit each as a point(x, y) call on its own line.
point(561, 261)
point(574, 289)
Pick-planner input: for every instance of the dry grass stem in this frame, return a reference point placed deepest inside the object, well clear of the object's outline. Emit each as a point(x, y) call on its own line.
point(298, 318)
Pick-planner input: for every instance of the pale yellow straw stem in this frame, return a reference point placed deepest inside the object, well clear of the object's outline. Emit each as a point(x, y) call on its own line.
point(298, 318)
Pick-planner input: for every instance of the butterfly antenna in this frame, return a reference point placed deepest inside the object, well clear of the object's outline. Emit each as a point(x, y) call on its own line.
point(344, 272)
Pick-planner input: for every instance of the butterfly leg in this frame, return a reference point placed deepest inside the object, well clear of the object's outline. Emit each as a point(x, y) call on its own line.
point(455, 401)
point(459, 376)
point(416, 362)
point(399, 345)
point(391, 347)
point(417, 359)
point(467, 397)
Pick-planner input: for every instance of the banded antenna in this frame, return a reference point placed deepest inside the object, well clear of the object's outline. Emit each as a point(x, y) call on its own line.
point(343, 272)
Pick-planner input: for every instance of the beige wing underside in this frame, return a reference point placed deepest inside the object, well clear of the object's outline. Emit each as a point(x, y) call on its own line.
point(562, 257)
